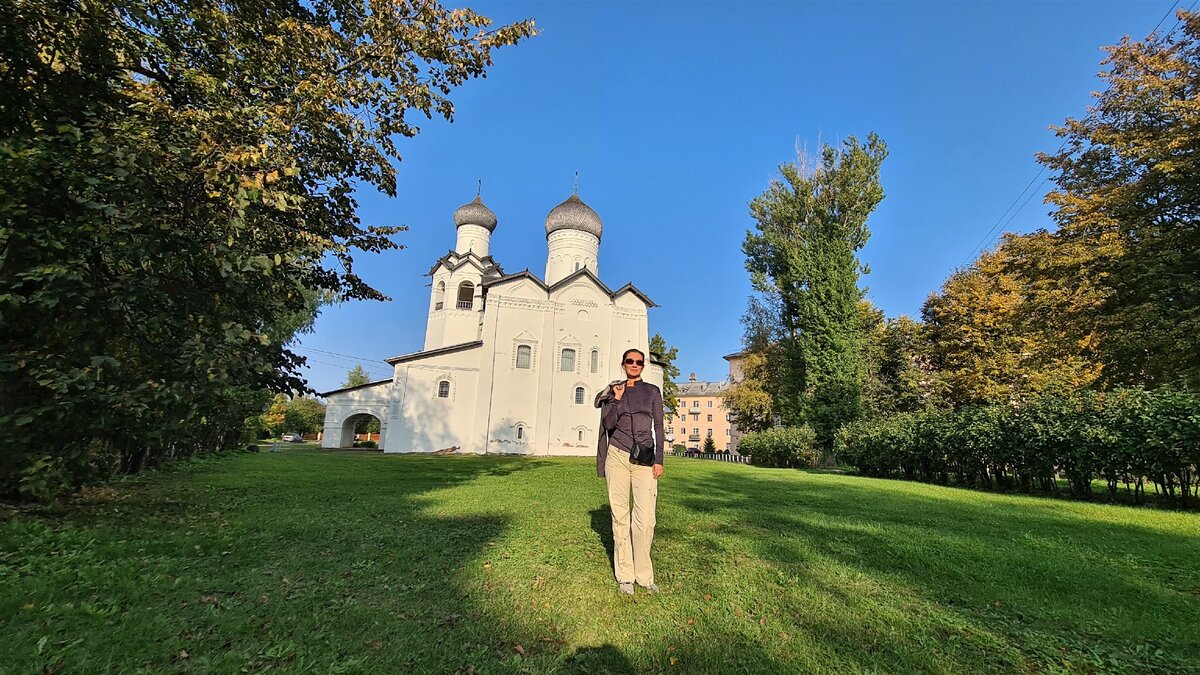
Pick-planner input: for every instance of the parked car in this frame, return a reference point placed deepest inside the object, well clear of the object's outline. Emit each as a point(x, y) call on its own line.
point(291, 438)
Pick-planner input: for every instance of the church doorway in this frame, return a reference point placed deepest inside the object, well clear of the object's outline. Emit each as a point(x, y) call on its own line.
point(362, 430)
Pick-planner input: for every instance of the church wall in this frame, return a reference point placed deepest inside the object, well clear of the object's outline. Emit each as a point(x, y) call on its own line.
point(583, 323)
point(517, 315)
point(421, 421)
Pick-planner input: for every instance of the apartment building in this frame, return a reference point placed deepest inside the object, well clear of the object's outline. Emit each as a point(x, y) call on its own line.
point(701, 414)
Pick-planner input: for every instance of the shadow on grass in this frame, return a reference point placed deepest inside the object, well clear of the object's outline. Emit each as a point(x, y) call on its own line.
point(1035, 583)
point(302, 561)
point(602, 526)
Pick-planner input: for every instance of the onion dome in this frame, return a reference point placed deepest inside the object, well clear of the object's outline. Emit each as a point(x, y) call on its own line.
point(573, 214)
point(475, 213)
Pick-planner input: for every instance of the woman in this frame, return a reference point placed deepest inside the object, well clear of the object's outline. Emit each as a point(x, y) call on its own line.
point(631, 412)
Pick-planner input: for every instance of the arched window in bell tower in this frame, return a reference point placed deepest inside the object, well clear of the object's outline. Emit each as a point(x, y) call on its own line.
point(466, 295)
point(439, 295)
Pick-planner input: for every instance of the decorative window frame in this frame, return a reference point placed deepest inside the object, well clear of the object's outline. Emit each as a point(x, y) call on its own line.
point(520, 432)
point(567, 342)
point(437, 383)
point(525, 339)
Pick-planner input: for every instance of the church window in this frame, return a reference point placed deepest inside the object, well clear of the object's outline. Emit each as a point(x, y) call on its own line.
point(439, 296)
point(567, 363)
point(577, 269)
point(595, 360)
point(520, 432)
point(444, 389)
point(581, 434)
point(579, 395)
point(524, 356)
point(466, 295)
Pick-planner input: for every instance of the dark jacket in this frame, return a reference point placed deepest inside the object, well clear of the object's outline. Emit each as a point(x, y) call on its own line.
point(639, 412)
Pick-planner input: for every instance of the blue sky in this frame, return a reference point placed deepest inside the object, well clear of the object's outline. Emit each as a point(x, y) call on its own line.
point(677, 114)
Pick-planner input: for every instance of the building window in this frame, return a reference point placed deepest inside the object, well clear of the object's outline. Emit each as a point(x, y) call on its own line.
point(577, 269)
point(728, 432)
point(524, 356)
point(695, 404)
point(567, 363)
point(578, 395)
point(710, 432)
point(595, 360)
point(710, 418)
point(520, 432)
point(439, 296)
point(683, 404)
point(444, 389)
point(466, 295)
point(682, 417)
point(581, 434)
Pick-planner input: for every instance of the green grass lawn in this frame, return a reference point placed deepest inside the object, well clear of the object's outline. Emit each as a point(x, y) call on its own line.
point(318, 561)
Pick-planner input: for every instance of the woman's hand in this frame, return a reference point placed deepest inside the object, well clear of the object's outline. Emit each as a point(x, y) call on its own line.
point(657, 471)
point(618, 390)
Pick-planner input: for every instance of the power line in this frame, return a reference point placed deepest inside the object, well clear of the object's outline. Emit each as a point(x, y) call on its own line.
point(344, 356)
point(987, 238)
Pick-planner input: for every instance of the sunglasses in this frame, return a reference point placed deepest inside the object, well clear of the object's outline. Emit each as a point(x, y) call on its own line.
point(634, 362)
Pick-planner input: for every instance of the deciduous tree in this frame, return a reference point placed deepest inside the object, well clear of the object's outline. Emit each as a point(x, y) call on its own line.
point(1128, 208)
point(809, 227)
point(177, 186)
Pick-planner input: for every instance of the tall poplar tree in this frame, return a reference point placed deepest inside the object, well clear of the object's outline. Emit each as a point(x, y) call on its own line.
point(809, 228)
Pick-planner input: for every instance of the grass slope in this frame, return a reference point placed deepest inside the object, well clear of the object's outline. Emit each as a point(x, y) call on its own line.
point(352, 562)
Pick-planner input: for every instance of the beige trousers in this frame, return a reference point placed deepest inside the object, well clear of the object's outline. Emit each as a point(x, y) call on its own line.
point(631, 540)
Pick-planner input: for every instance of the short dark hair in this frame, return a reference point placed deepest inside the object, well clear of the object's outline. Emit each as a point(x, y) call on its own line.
point(631, 350)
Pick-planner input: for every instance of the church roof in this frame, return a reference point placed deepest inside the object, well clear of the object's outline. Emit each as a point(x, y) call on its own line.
point(485, 264)
point(357, 386)
point(475, 213)
point(582, 272)
point(417, 356)
point(573, 214)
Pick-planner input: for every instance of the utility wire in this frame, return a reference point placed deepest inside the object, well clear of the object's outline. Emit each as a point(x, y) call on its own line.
point(987, 238)
point(350, 357)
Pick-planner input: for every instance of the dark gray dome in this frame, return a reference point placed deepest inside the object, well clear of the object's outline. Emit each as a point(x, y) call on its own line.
point(573, 214)
point(475, 213)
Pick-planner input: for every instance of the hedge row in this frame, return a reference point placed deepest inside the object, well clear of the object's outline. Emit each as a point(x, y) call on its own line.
point(786, 447)
point(1126, 437)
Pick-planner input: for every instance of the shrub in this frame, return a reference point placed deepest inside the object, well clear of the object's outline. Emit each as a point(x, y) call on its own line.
point(366, 444)
point(793, 447)
point(1130, 436)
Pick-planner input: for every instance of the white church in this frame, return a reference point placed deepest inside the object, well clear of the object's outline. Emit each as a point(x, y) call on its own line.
point(511, 362)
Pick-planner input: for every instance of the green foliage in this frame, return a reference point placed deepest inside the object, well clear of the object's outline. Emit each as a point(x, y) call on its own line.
point(899, 374)
point(177, 198)
point(748, 399)
point(709, 444)
point(366, 444)
point(793, 447)
point(993, 335)
point(1128, 202)
point(667, 354)
point(803, 256)
point(356, 377)
point(304, 416)
point(1124, 437)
